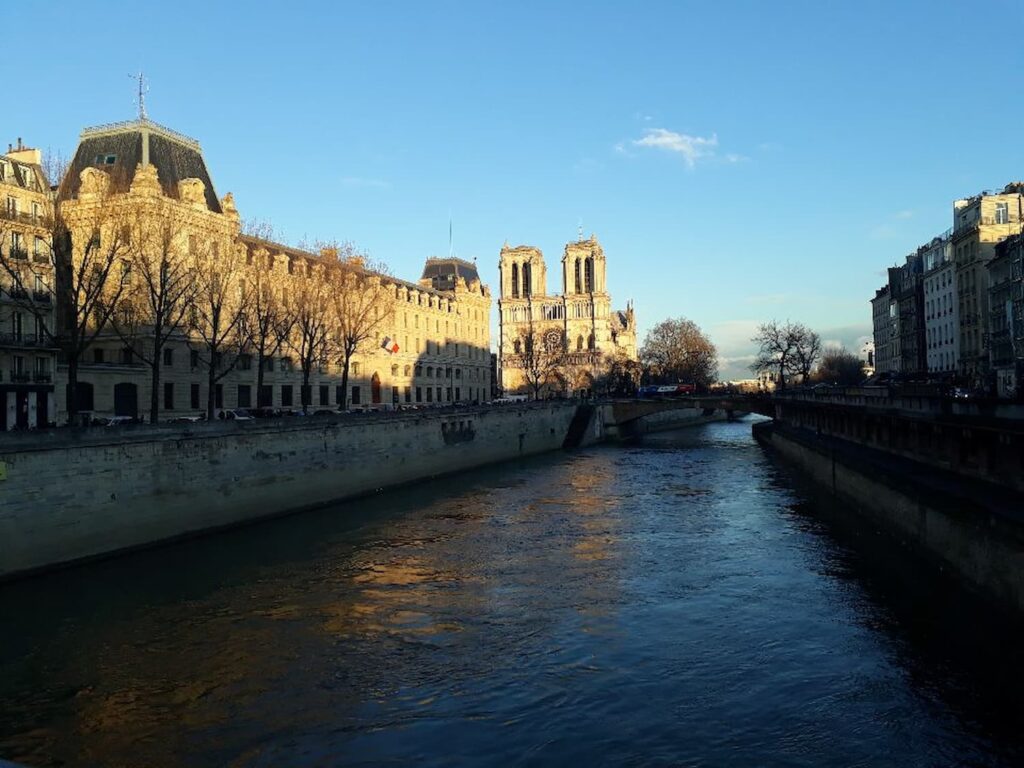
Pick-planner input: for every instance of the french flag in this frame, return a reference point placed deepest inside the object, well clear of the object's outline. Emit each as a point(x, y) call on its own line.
point(389, 344)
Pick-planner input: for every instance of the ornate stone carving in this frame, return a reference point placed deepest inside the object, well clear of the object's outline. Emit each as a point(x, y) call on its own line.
point(94, 182)
point(146, 181)
point(192, 191)
point(227, 204)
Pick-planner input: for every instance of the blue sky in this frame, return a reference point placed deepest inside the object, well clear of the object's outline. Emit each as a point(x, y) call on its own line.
point(739, 161)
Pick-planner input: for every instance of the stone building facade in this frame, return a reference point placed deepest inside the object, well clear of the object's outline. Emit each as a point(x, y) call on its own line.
point(979, 223)
point(578, 325)
point(143, 175)
point(27, 355)
point(941, 308)
point(1006, 316)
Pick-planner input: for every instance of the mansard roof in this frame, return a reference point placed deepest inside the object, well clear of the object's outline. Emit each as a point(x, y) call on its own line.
point(443, 273)
point(119, 148)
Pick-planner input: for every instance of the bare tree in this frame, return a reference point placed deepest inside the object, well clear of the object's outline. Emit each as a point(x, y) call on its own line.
point(623, 376)
point(159, 291)
point(541, 356)
point(311, 318)
point(218, 309)
point(786, 349)
point(807, 351)
point(775, 350)
point(676, 350)
point(270, 318)
point(74, 279)
point(362, 307)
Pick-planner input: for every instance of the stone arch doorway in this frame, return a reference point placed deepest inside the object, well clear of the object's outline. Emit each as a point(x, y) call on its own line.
point(375, 389)
point(126, 399)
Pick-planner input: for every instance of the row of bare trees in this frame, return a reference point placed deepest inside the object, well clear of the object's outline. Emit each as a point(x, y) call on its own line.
point(791, 351)
point(146, 276)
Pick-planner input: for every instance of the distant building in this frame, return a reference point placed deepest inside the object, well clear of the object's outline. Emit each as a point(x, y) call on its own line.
point(434, 347)
point(979, 223)
point(941, 308)
point(28, 359)
point(579, 325)
point(1006, 315)
point(906, 288)
point(884, 330)
point(867, 357)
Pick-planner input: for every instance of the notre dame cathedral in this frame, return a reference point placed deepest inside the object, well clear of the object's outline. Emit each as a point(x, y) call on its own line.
point(577, 330)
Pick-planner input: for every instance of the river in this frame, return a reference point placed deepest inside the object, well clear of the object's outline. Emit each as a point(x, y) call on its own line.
point(684, 602)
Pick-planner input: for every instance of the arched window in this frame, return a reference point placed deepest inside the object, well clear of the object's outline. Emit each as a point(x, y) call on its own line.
point(375, 388)
point(394, 370)
point(579, 339)
point(515, 281)
point(430, 371)
point(527, 280)
point(517, 346)
point(588, 269)
point(590, 341)
point(579, 283)
point(407, 370)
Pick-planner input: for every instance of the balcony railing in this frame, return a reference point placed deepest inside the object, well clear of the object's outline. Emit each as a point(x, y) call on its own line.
point(23, 340)
point(42, 377)
point(25, 217)
point(20, 377)
point(42, 297)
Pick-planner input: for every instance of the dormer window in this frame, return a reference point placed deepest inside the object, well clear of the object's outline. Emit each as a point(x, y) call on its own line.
point(106, 159)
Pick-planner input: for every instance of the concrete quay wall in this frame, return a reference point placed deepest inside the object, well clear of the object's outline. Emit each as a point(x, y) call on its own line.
point(67, 497)
point(974, 529)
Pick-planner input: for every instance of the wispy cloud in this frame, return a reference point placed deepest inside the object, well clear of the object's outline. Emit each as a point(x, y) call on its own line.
point(364, 183)
point(903, 214)
point(690, 148)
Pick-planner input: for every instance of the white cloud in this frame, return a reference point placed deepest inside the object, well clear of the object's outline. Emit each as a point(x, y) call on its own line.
point(692, 148)
point(903, 214)
point(364, 183)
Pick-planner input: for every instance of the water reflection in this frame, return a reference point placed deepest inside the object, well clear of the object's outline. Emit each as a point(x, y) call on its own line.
point(679, 602)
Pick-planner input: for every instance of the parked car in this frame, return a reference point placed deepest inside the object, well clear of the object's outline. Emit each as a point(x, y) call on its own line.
point(237, 414)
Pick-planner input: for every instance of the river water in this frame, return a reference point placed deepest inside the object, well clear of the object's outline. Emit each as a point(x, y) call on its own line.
point(677, 603)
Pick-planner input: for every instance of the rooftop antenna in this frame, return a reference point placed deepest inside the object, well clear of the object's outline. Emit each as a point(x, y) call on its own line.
point(579, 229)
point(143, 90)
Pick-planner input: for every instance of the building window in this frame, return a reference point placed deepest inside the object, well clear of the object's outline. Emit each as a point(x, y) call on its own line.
point(127, 355)
point(286, 394)
point(266, 396)
point(168, 396)
point(268, 364)
point(355, 369)
point(394, 395)
point(168, 357)
point(339, 395)
point(1002, 213)
point(408, 394)
point(430, 394)
point(193, 359)
point(194, 395)
point(97, 355)
point(325, 395)
point(245, 362)
point(355, 395)
point(419, 394)
point(244, 396)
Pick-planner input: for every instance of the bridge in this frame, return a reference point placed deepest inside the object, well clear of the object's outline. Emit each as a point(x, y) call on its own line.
point(626, 411)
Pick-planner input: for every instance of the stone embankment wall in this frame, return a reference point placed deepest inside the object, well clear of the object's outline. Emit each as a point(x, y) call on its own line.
point(69, 496)
point(974, 528)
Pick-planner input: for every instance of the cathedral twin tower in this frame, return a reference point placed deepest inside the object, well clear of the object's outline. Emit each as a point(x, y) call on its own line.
point(578, 326)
